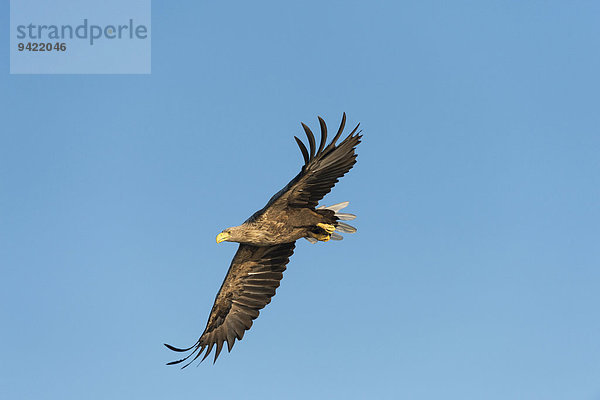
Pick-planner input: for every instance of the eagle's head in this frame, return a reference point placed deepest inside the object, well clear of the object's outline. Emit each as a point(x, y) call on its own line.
point(233, 234)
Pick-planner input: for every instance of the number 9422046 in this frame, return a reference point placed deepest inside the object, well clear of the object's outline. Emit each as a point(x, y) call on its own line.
point(42, 46)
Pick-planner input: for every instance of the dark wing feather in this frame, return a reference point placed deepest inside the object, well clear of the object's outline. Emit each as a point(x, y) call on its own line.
point(321, 170)
point(250, 283)
point(302, 149)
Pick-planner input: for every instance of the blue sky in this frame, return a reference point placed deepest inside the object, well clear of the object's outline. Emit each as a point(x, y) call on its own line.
point(475, 270)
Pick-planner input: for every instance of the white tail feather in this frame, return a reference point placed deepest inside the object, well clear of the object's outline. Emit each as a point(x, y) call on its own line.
point(337, 207)
point(345, 216)
point(345, 228)
point(336, 236)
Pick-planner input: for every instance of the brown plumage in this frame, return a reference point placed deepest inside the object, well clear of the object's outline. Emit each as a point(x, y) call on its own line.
point(267, 239)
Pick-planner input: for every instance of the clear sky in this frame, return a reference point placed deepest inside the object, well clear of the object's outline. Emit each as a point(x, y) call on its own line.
point(475, 271)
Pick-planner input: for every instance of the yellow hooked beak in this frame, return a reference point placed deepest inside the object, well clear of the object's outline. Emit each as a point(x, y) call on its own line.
point(223, 236)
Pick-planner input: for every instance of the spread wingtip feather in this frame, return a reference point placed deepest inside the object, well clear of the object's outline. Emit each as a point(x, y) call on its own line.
point(311, 139)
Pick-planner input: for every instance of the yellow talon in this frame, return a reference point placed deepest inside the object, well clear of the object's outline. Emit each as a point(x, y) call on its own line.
point(320, 237)
point(327, 228)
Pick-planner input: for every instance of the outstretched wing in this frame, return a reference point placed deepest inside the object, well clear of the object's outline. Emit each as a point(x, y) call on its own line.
point(322, 167)
point(250, 283)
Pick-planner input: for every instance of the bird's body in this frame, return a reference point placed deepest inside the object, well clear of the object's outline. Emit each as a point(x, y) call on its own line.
point(275, 226)
point(267, 239)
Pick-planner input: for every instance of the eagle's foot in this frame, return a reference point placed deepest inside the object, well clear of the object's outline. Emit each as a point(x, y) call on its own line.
point(323, 238)
point(327, 228)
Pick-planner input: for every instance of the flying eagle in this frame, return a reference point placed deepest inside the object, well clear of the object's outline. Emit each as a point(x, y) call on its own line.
point(267, 239)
